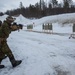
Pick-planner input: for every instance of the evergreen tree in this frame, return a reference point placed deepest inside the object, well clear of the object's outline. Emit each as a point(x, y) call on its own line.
point(21, 5)
point(67, 3)
point(54, 3)
point(1, 13)
point(49, 6)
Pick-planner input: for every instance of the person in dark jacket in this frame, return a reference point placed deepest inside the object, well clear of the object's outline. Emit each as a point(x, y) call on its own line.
point(4, 48)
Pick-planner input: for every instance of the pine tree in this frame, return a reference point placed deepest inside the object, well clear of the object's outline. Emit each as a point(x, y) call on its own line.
point(21, 5)
point(67, 3)
point(54, 3)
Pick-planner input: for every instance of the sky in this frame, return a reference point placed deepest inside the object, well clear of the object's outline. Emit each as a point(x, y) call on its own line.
point(13, 4)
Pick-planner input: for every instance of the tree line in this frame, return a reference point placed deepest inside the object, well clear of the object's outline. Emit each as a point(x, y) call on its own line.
point(43, 8)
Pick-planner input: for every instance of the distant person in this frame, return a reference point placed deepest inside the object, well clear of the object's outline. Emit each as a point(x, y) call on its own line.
point(4, 48)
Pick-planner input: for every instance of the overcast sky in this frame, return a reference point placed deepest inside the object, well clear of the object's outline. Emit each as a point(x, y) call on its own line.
point(13, 4)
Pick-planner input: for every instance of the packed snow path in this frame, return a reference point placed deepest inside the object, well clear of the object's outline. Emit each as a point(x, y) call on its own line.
point(41, 54)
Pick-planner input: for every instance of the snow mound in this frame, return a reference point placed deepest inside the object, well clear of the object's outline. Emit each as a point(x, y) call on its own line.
point(2, 18)
point(22, 20)
point(64, 18)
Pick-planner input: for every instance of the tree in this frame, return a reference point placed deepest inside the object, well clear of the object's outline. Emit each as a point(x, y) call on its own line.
point(40, 4)
point(50, 6)
point(37, 5)
point(21, 5)
point(7, 12)
point(54, 3)
point(67, 3)
point(1, 13)
point(21, 8)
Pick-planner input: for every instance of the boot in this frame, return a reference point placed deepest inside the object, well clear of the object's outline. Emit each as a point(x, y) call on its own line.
point(15, 62)
point(2, 66)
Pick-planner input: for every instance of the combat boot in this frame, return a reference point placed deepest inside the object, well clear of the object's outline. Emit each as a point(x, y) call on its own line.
point(2, 66)
point(15, 62)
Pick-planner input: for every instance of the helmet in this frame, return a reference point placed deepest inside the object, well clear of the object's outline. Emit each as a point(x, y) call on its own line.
point(10, 18)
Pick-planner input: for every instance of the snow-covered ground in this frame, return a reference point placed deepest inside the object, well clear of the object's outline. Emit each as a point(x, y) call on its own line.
point(42, 54)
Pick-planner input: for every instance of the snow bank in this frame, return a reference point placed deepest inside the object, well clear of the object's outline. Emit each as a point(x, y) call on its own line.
point(22, 20)
point(63, 18)
point(2, 18)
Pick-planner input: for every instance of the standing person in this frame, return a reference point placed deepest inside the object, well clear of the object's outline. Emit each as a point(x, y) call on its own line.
point(4, 48)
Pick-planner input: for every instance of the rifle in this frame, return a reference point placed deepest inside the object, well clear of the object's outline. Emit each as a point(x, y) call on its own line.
point(16, 27)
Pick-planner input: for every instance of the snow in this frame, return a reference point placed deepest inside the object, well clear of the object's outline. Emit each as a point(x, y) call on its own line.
point(21, 20)
point(64, 18)
point(41, 53)
point(2, 18)
point(57, 28)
